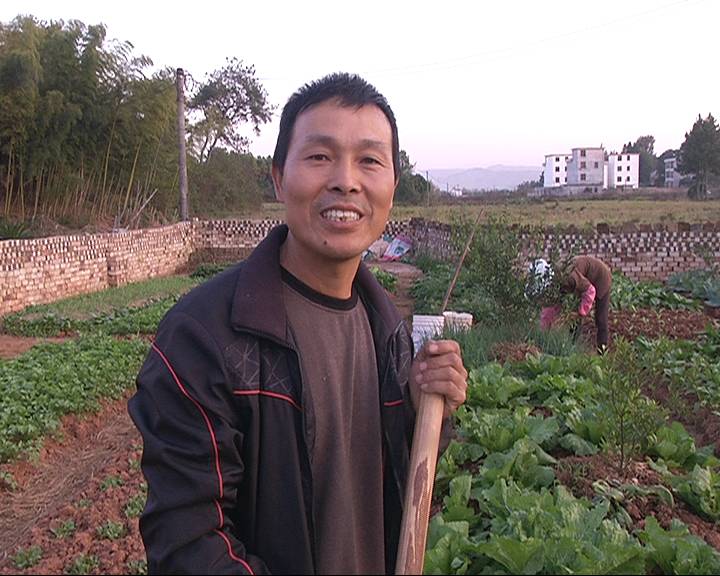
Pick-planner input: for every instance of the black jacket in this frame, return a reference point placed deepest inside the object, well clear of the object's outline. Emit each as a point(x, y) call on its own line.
point(227, 439)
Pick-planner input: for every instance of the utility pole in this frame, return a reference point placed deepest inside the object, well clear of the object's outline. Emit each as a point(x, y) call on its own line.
point(427, 182)
point(182, 163)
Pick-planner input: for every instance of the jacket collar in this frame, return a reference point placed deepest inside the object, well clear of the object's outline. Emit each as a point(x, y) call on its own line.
point(258, 304)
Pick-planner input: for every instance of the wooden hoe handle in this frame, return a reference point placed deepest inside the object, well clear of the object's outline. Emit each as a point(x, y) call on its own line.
point(418, 491)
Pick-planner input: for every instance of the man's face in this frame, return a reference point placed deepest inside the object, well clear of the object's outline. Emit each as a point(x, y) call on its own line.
point(337, 183)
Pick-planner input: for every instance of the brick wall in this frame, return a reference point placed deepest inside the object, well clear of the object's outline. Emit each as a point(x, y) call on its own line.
point(41, 270)
point(640, 252)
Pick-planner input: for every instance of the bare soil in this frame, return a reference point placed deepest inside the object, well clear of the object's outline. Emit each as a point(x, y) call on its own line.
point(12, 346)
point(86, 475)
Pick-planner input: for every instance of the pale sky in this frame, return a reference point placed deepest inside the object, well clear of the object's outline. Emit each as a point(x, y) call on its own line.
point(472, 83)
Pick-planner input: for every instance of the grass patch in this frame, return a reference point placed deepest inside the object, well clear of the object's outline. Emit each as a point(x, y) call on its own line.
point(132, 309)
point(477, 344)
point(136, 295)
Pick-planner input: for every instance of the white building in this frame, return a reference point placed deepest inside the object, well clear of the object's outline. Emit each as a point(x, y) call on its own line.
point(555, 172)
point(672, 176)
point(623, 170)
point(588, 168)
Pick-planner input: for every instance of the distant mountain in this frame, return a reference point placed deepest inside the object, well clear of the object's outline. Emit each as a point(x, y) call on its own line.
point(496, 177)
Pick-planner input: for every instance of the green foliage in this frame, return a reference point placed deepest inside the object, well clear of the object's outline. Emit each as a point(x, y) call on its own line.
point(225, 184)
point(386, 279)
point(206, 271)
point(7, 481)
point(629, 295)
point(85, 311)
point(137, 566)
point(686, 366)
point(551, 532)
point(677, 448)
point(676, 551)
point(88, 133)
point(10, 229)
point(83, 564)
point(230, 97)
point(632, 418)
point(135, 506)
point(489, 286)
point(412, 188)
point(648, 162)
point(697, 283)
point(700, 154)
point(111, 482)
point(139, 320)
point(64, 529)
point(700, 489)
point(110, 530)
point(55, 379)
point(503, 510)
point(27, 557)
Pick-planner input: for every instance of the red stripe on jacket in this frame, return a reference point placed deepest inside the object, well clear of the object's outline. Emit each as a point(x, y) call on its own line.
point(216, 452)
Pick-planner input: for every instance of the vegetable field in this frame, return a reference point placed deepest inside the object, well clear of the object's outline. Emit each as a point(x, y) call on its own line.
point(563, 462)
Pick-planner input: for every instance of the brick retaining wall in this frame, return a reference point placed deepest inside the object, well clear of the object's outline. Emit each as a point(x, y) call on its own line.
point(41, 270)
point(640, 252)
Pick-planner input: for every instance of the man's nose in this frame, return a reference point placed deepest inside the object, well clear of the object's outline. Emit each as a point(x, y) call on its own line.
point(345, 176)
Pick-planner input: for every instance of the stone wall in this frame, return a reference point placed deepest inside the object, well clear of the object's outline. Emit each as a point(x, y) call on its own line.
point(41, 270)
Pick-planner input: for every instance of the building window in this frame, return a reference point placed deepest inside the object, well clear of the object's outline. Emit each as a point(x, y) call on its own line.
point(565, 179)
point(597, 165)
point(557, 180)
point(582, 165)
point(557, 168)
point(619, 168)
point(582, 153)
point(565, 168)
point(557, 158)
point(619, 178)
point(582, 177)
point(628, 158)
point(627, 179)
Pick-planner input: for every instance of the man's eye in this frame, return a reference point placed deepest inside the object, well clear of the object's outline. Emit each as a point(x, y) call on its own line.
point(370, 160)
point(318, 157)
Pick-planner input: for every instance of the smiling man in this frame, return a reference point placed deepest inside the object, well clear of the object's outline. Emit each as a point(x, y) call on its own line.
point(278, 400)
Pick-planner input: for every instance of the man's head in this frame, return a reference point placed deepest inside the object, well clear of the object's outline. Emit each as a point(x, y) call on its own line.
point(335, 171)
point(348, 90)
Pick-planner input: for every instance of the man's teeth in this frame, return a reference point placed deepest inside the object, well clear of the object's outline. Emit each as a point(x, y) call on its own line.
point(341, 215)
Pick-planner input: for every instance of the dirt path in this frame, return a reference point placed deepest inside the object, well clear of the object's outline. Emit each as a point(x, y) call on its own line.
point(11, 346)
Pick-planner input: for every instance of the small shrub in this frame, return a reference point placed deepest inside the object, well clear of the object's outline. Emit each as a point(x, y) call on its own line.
point(387, 280)
point(111, 482)
point(111, 530)
point(27, 557)
point(64, 530)
point(135, 506)
point(83, 564)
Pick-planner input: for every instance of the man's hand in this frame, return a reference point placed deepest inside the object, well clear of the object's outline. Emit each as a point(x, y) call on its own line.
point(438, 369)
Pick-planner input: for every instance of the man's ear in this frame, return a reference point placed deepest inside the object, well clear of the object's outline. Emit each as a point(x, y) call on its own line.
point(277, 183)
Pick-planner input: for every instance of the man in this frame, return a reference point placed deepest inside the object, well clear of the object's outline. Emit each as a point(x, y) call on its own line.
point(590, 279)
point(277, 402)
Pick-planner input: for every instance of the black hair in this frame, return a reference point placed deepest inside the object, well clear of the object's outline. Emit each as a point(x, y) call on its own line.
point(349, 90)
